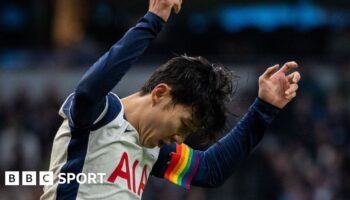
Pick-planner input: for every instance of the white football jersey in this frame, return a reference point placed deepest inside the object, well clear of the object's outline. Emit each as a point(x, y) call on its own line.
point(109, 146)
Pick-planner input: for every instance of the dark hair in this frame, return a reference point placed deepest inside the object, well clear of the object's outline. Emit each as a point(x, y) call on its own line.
point(197, 83)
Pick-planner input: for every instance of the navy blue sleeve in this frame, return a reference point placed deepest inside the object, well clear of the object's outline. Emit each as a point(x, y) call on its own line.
point(103, 76)
point(220, 160)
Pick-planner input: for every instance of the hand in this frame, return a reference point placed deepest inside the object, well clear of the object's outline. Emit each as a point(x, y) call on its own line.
point(163, 8)
point(277, 88)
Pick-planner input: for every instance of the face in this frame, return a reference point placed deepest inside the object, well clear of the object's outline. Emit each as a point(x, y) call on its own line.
point(166, 123)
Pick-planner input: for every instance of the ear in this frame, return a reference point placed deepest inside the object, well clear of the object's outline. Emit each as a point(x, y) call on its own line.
point(159, 93)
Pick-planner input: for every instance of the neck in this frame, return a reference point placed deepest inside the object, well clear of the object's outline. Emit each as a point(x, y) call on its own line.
point(134, 108)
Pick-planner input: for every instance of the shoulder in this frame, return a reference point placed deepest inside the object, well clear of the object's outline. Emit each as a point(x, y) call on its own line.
point(113, 110)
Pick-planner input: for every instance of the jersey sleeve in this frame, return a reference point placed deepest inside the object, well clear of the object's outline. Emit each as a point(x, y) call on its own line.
point(185, 166)
point(112, 109)
point(104, 75)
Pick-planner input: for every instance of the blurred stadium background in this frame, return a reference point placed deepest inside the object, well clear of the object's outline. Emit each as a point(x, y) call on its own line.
point(45, 47)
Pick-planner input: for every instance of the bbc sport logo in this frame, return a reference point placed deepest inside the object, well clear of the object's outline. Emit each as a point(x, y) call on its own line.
point(29, 178)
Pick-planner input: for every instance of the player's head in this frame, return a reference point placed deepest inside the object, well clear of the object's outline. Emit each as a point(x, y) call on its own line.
point(192, 94)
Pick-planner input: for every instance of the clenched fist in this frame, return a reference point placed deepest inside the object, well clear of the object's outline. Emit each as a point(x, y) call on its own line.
point(277, 88)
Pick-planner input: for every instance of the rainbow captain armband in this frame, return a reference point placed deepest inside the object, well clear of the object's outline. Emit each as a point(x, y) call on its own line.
point(183, 166)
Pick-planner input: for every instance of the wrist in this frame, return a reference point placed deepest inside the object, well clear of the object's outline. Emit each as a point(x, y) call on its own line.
point(271, 100)
point(266, 111)
point(162, 13)
point(262, 101)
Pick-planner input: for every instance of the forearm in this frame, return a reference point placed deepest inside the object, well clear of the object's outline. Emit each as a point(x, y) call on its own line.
point(221, 159)
point(103, 76)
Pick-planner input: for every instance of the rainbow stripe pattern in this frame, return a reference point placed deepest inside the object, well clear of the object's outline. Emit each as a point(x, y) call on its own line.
point(183, 165)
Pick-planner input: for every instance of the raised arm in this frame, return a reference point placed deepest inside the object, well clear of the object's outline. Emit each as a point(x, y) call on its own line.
point(212, 167)
point(219, 161)
point(102, 77)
